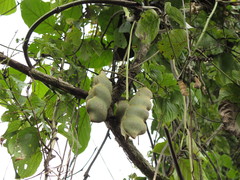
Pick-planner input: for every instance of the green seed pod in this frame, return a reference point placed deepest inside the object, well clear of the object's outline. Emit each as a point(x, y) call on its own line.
point(133, 126)
point(102, 92)
point(121, 108)
point(136, 113)
point(102, 78)
point(140, 111)
point(145, 92)
point(97, 109)
point(99, 98)
point(139, 99)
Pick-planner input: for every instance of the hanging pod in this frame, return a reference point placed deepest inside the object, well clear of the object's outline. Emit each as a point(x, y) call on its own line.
point(136, 113)
point(99, 98)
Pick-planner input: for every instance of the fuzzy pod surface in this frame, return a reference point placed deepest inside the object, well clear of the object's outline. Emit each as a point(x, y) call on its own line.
point(136, 113)
point(99, 98)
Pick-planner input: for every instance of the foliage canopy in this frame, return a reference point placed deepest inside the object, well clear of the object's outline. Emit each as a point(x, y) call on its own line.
point(186, 52)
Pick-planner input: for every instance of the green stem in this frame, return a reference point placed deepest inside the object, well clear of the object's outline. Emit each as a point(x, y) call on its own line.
point(127, 64)
point(206, 25)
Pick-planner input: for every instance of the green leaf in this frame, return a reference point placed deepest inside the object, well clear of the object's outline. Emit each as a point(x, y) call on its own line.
point(24, 144)
point(27, 167)
point(125, 27)
point(75, 13)
point(230, 92)
point(35, 101)
point(164, 110)
point(12, 127)
point(174, 14)
point(17, 74)
point(225, 161)
point(159, 147)
point(84, 129)
point(92, 54)
point(119, 39)
point(64, 110)
point(148, 26)
point(78, 137)
point(32, 10)
point(103, 20)
point(184, 165)
point(232, 174)
point(173, 43)
point(39, 88)
point(9, 116)
point(7, 7)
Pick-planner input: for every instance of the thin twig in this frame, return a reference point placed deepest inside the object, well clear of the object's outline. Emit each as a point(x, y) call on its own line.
point(173, 154)
point(86, 174)
point(152, 145)
point(164, 148)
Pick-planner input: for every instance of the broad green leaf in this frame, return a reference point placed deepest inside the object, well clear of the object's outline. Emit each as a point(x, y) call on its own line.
point(24, 144)
point(173, 43)
point(148, 26)
point(17, 74)
point(64, 110)
point(12, 128)
point(103, 20)
point(71, 134)
point(73, 37)
point(125, 27)
point(35, 101)
point(5, 93)
point(175, 14)
point(7, 7)
point(78, 136)
point(232, 173)
point(119, 39)
point(75, 13)
point(34, 105)
point(164, 110)
point(92, 54)
point(225, 161)
point(184, 165)
point(32, 10)
point(230, 92)
point(84, 129)
point(39, 88)
point(16, 90)
point(159, 147)
point(50, 99)
point(27, 167)
point(221, 144)
point(9, 116)
point(17, 85)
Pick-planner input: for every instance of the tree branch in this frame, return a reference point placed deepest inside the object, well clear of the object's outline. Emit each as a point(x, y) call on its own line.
point(46, 79)
point(132, 152)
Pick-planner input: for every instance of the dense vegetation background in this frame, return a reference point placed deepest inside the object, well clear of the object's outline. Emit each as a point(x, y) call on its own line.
point(186, 52)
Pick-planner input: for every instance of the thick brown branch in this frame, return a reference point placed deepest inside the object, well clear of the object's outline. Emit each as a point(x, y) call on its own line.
point(47, 79)
point(132, 152)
